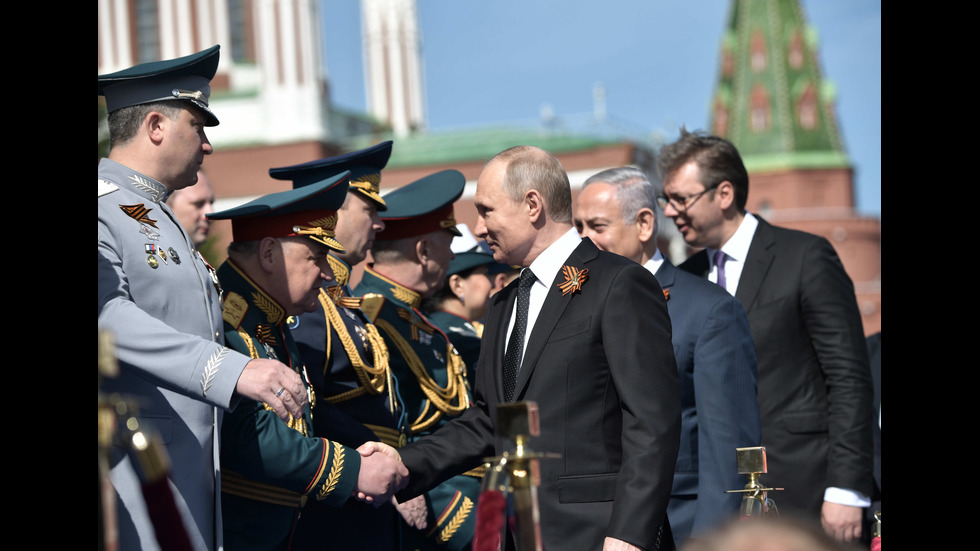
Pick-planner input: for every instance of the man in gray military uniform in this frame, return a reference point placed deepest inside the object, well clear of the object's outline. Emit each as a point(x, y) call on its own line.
point(160, 299)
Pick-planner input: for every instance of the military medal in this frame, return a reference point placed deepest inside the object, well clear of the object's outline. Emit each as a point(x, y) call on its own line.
point(264, 334)
point(151, 259)
point(574, 278)
point(173, 255)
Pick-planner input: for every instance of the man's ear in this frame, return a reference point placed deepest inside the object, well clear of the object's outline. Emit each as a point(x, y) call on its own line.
point(726, 194)
point(154, 125)
point(645, 220)
point(422, 249)
point(534, 203)
point(268, 253)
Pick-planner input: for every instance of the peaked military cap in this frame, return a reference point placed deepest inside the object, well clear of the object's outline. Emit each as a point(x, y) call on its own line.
point(186, 78)
point(364, 165)
point(468, 260)
point(309, 210)
point(423, 206)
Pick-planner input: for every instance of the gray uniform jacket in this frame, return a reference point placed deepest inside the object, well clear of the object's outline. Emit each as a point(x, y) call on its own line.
point(158, 299)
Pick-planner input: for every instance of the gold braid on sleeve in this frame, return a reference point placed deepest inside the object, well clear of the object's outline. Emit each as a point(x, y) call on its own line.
point(451, 400)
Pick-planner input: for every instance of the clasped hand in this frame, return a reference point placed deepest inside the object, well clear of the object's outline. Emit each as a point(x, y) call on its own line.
point(382, 473)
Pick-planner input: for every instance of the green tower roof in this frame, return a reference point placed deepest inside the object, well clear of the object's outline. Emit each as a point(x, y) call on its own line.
point(771, 100)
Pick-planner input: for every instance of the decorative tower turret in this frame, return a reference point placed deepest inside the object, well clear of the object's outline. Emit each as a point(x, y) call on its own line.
point(773, 104)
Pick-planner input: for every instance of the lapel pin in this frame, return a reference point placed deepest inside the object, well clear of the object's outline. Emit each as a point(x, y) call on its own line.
point(574, 278)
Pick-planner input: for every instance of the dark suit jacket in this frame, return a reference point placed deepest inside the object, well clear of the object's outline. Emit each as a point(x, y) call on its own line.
point(814, 381)
point(600, 366)
point(716, 365)
point(874, 353)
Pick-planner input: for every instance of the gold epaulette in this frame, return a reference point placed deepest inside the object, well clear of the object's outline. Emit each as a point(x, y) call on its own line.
point(236, 484)
point(371, 304)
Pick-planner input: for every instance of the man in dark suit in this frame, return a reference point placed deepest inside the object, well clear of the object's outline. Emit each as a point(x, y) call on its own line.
point(713, 348)
point(597, 360)
point(814, 381)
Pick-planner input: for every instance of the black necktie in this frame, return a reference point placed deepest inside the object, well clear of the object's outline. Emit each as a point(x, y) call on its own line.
point(515, 345)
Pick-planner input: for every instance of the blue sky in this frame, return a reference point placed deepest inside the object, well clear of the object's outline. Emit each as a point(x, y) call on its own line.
point(497, 61)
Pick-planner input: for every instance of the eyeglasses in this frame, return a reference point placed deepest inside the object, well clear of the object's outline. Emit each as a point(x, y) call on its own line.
point(681, 204)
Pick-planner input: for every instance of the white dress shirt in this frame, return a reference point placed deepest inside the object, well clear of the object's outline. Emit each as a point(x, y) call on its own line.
point(736, 249)
point(655, 262)
point(545, 269)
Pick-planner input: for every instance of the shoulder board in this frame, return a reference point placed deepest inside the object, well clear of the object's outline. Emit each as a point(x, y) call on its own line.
point(106, 187)
point(371, 304)
point(234, 309)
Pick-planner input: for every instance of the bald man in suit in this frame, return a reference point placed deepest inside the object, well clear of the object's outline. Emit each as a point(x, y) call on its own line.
point(596, 358)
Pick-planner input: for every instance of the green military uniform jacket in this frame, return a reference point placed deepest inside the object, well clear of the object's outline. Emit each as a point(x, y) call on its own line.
point(433, 387)
point(463, 333)
point(347, 362)
point(269, 467)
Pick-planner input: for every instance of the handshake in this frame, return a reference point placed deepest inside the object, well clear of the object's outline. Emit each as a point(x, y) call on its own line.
point(382, 473)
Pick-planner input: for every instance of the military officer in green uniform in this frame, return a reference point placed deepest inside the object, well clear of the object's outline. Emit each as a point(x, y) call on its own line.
point(276, 264)
point(410, 263)
point(346, 358)
point(462, 302)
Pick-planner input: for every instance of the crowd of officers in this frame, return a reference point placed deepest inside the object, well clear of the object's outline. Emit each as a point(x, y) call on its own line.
point(309, 385)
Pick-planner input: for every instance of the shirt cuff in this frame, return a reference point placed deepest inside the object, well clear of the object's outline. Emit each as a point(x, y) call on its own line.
point(843, 496)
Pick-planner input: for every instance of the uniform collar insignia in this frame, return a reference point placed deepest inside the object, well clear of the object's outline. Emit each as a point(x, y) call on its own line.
point(274, 313)
point(406, 295)
point(157, 191)
point(140, 213)
point(574, 279)
point(341, 271)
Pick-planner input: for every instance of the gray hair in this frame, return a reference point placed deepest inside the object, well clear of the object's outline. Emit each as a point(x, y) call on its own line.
point(123, 123)
point(634, 192)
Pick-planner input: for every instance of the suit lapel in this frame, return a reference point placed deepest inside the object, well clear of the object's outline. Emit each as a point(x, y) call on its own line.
point(666, 274)
point(551, 311)
point(757, 264)
point(698, 264)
